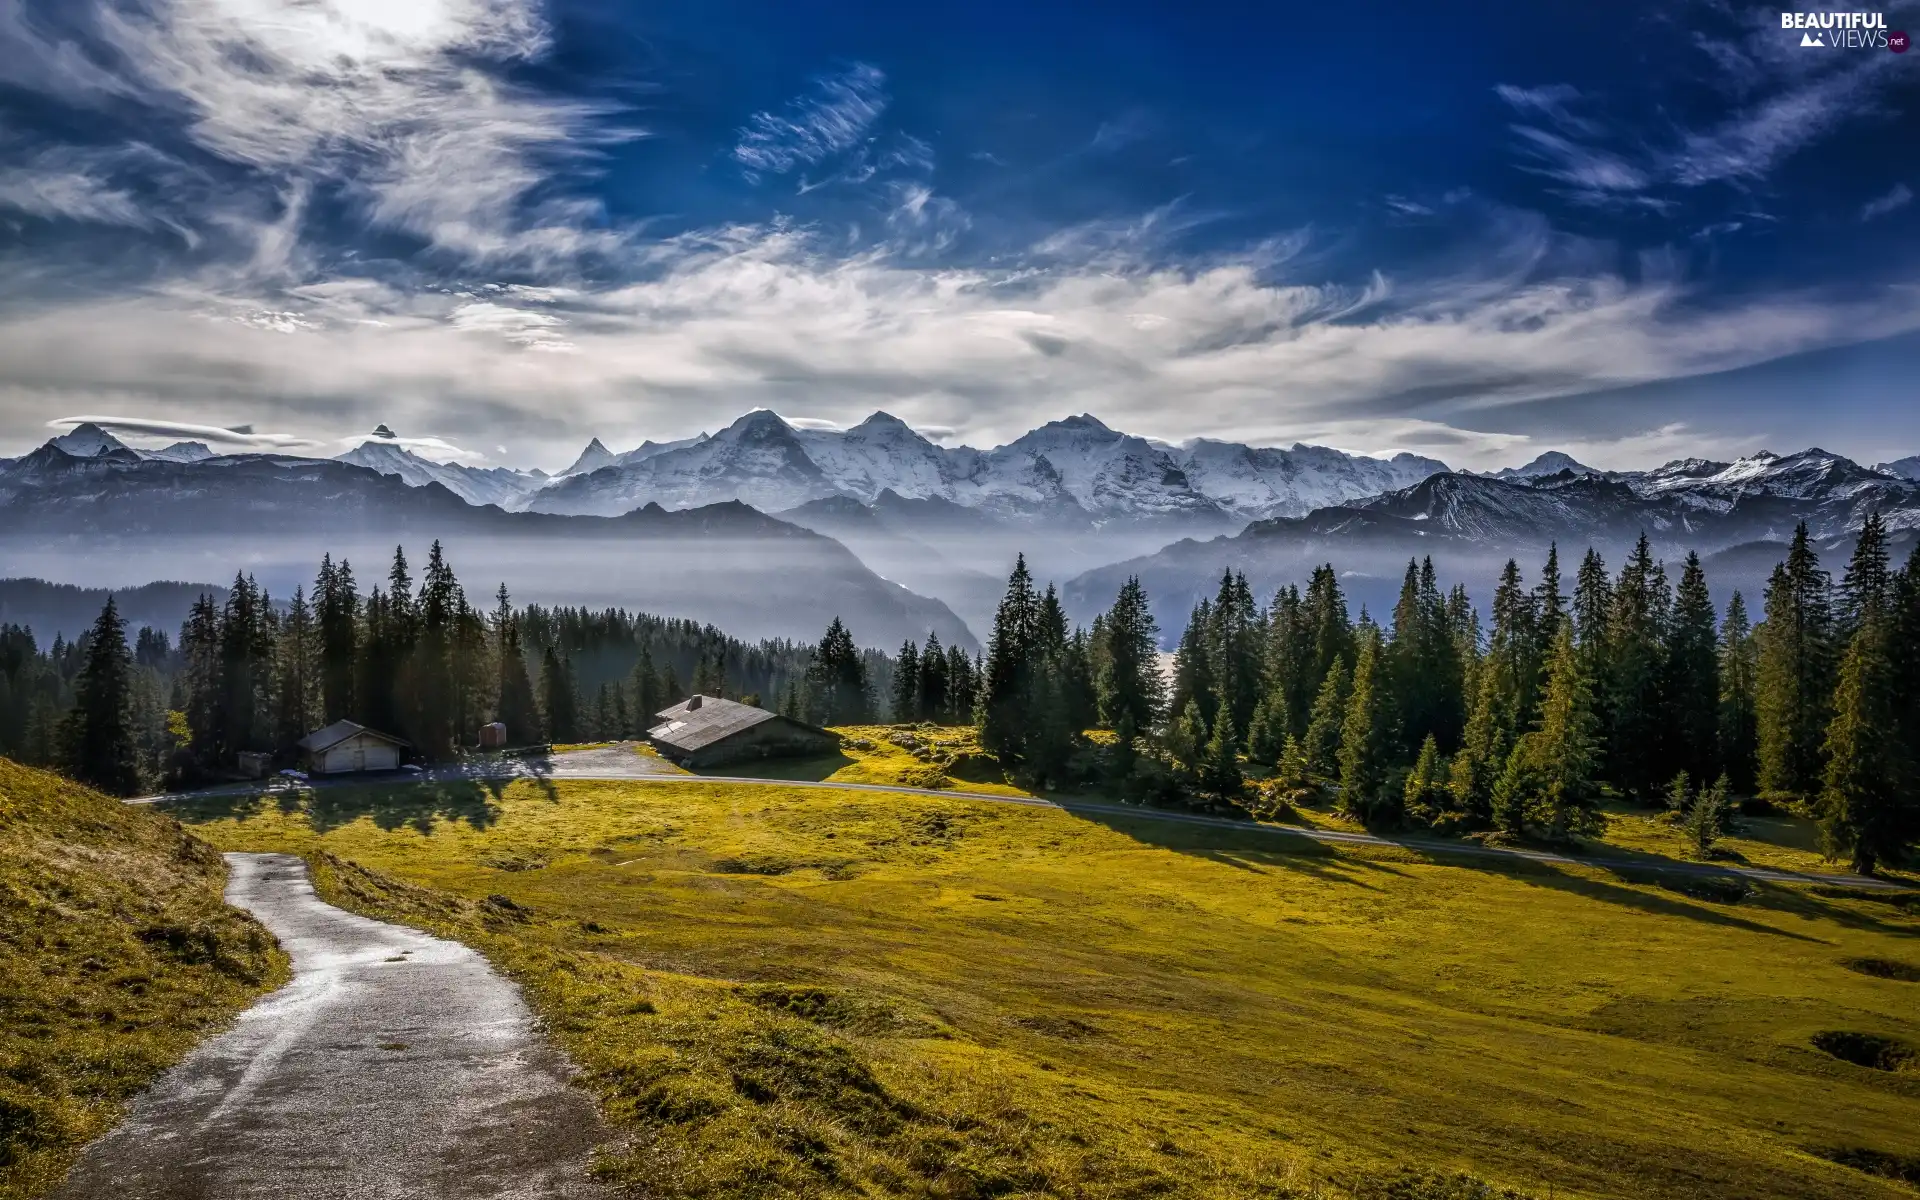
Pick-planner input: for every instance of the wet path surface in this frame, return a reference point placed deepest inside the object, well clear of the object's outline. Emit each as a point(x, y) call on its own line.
point(393, 1065)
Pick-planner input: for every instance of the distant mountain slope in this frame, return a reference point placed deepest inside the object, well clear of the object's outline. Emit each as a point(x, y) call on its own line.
point(475, 485)
point(62, 609)
point(114, 517)
point(1742, 513)
point(1551, 463)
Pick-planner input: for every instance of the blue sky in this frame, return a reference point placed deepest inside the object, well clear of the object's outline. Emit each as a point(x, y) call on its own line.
point(1477, 231)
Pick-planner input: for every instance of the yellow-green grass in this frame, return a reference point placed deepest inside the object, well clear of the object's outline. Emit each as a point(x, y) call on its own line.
point(116, 956)
point(800, 992)
point(885, 754)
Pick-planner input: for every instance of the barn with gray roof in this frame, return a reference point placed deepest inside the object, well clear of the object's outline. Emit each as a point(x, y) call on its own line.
point(707, 731)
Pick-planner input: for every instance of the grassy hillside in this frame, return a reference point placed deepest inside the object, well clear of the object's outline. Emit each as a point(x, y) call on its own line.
point(116, 956)
point(811, 993)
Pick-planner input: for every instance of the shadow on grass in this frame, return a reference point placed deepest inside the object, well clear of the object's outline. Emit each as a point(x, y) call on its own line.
point(468, 792)
point(805, 770)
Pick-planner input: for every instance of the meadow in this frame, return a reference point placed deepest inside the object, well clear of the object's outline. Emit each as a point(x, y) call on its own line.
point(800, 992)
point(116, 957)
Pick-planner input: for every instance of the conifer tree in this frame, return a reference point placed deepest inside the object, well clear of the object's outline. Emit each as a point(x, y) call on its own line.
point(932, 702)
point(649, 698)
point(1795, 670)
point(1193, 669)
point(1707, 819)
point(1325, 614)
point(963, 684)
point(1366, 742)
point(1187, 737)
point(297, 675)
point(1691, 689)
point(837, 680)
point(1484, 749)
point(1552, 776)
point(97, 737)
point(1322, 743)
point(1267, 736)
point(1128, 682)
point(1513, 648)
point(337, 615)
point(1426, 794)
point(1549, 605)
point(559, 698)
point(1867, 588)
point(1739, 681)
point(200, 647)
point(1220, 767)
point(905, 698)
point(1636, 642)
point(1005, 691)
point(1867, 811)
point(514, 705)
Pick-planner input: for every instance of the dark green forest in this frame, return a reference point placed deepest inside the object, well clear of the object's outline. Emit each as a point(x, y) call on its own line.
point(1625, 685)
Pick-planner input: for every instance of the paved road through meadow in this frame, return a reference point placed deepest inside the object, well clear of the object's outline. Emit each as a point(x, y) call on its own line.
point(395, 1066)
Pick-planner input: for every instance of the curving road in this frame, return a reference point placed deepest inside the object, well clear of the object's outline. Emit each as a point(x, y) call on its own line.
point(395, 1066)
point(621, 762)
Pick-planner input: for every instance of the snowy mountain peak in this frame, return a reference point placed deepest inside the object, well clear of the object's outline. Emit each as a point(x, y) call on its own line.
point(1551, 463)
point(1902, 468)
point(181, 452)
point(882, 421)
point(86, 440)
point(591, 459)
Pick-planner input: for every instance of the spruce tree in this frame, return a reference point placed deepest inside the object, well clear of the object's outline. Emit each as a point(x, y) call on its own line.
point(1366, 742)
point(1322, 742)
point(1795, 670)
point(1691, 690)
point(1187, 737)
point(1128, 682)
point(1867, 811)
point(97, 736)
point(1425, 795)
point(932, 702)
point(337, 615)
point(514, 704)
point(1267, 736)
point(643, 684)
point(559, 699)
point(837, 679)
point(905, 698)
point(1484, 749)
point(1549, 604)
point(1220, 767)
point(1552, 776)
point(1193, 669)
point(1739, 683)
point(297, 680)
point(1325, 615)
point(1707, 820)
point(1290, 682)
point(1867, 588)
point(1637, 648)
point(200, 647)
point(1003, 701)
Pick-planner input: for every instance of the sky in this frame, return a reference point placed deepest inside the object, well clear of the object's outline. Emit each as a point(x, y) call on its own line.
point(1478, 231)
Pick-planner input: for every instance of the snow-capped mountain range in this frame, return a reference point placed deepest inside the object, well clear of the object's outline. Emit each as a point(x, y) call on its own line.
point(1076, 471)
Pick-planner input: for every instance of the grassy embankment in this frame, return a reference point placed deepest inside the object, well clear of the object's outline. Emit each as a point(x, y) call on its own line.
point(116, 956)
point(790, 992)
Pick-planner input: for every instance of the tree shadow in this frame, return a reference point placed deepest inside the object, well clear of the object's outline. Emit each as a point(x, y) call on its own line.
point(1259, 847)
point(470, 791)
point(816, 769)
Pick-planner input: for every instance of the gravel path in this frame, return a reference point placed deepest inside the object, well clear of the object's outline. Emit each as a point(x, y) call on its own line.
point(394, 1065)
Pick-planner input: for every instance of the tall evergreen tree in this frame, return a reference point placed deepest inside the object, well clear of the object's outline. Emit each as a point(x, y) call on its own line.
point(1366, 742)
point(1552, 781)
point(1322, 742)
point(1739, 686)
point(200, 647)
point(297, 680)
point(1867, 588)
point(1004, 699)
point(905, 700)
point(1327, 621)
point(337, 614)
point(1636, 642)
point(1549, 605)
point(931, 700)
point(1867, 808)
point(98, 737)
point(1795, 673)
point(1129, 684)
point(1219, 763)
point(1193, 669)
point(514, 705)
point(559, 698)
point(649, 697)
point(1692, 686)
point(837, 680)
point(1290, 663)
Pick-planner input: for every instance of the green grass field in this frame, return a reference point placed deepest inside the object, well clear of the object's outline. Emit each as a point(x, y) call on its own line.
point(790, 992)
point(116, 956)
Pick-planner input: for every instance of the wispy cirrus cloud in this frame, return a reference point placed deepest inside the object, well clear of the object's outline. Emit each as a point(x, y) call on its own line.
point(833, 117)
point(1896, 198)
